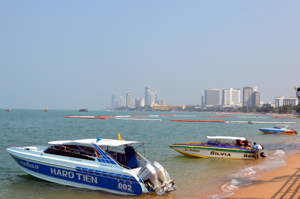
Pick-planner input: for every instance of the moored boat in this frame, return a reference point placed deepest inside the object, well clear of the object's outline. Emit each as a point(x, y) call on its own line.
point(285, 129)
point(218, 147)
point(100, 164)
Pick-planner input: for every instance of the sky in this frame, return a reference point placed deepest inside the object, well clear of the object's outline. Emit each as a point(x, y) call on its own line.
point(77, 54)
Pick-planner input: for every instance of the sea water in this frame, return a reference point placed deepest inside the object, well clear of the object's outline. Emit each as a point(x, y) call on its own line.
point(206, 177)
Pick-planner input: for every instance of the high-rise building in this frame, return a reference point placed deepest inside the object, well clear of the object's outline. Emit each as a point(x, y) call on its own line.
point(139, 102)
point(290, 101)
point(113, 101)
point(247, 96)
point(278, 101)
point(231, 97)
point(213, 97)
point(121, 101)
point(251, 97)
point(281, 101)
point(236, 95)
point(129, 100)
point(147, 90)
point(227, 96)
point(202, 101)
point(150, 96)
point(256, 99)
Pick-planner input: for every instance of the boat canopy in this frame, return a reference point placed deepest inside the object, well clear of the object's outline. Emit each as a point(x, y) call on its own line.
point(226, 137)
point(283, 126)
point(102, 142)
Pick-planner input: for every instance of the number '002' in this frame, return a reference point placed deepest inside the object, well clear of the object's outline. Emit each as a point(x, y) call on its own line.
point(125, 187)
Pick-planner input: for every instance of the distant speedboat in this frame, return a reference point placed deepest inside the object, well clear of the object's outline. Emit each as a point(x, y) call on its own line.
point(218, 147)
point(9, 109)
point(109, 165)
point(83, 110)
point(285, 129)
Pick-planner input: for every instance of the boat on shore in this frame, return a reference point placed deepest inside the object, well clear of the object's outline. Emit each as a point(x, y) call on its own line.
point(218, 147)
point(109, 165)
point(284, 129)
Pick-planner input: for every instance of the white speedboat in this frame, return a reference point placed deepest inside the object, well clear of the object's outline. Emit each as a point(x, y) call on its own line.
point(99, 164)
point(218, 147)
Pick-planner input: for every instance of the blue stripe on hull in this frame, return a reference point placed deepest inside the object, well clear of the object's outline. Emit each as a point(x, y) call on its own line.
point(92, 178)
point(273, 131)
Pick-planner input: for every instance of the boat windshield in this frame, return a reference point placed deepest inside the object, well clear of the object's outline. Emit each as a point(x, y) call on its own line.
point(122, 154)
point(218, 142)
point(282, 127)
point(76, 151)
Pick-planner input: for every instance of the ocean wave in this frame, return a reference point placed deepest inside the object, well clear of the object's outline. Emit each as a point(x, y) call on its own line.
point(247, 172)
point(227, 189)
point(230, 186)
point(279, 152)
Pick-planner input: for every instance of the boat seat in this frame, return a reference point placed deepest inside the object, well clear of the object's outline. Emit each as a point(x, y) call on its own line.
point(131, 157)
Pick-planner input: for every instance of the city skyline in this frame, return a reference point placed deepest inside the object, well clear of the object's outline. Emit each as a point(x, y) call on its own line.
point(213, 98)
point(85, 52)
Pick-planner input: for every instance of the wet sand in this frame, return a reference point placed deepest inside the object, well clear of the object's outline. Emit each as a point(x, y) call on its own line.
point(280, 183)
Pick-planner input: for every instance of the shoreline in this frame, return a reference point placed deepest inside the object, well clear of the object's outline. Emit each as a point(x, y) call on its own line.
point(283, 182)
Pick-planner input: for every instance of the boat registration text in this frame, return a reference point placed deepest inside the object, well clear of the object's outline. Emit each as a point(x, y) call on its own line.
point(194, 150)
point(220, 153)
point(72, 175)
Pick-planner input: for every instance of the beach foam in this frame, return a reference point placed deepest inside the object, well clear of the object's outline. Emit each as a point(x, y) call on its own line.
point(230, 186)
point(247, 172)
point(279, 152)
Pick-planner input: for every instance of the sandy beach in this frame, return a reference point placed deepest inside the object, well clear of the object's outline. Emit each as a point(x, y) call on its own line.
point(283, 183)
point(280, 183)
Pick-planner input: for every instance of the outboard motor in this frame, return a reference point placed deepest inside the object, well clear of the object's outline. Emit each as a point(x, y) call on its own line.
point(149, 176)
point(162, 177)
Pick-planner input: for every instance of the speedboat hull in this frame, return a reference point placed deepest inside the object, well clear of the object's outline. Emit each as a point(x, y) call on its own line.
point(208, 151)
point(77, 175)
point(277, 131)
point(95, 164)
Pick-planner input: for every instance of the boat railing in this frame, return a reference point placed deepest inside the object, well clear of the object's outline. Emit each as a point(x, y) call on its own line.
point(32, 148)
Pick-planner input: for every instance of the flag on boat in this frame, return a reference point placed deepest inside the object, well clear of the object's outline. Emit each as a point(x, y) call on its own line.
point(119, 136)
point(98, 139)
